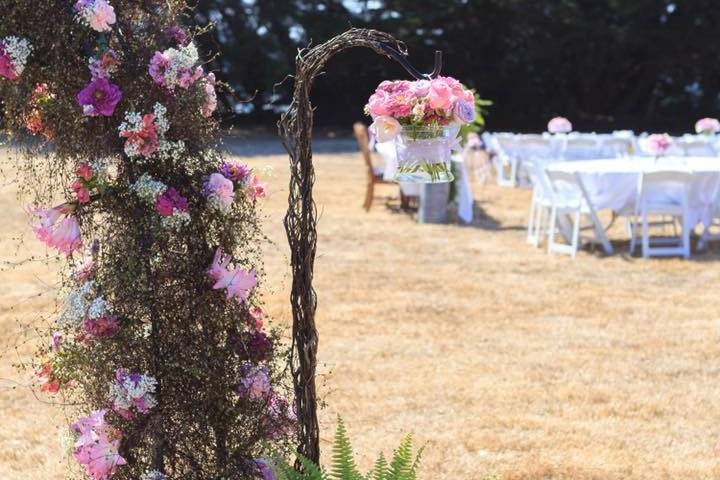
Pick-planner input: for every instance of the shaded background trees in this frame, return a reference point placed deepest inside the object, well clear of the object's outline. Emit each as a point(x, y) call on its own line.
point(606, 64)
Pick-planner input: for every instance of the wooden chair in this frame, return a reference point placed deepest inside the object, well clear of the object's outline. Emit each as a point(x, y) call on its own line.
point(374, 175)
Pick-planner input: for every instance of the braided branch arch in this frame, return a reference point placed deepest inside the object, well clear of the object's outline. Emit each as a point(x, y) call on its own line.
point(295, 130)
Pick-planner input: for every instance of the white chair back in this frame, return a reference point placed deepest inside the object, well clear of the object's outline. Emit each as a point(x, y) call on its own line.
point(580, 149)
point(698, 148)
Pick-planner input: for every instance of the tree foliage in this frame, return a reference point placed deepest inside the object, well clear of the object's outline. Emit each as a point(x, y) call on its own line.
point(602, 63)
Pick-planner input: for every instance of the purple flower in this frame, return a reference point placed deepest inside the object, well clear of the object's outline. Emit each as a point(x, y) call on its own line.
point(465, 111)
point(255, 382)
point(159, 64)
point(176, 33)
point(237, 172)
point(169, 201)
point(264, 469)
point(99, 98)
point(253, 346)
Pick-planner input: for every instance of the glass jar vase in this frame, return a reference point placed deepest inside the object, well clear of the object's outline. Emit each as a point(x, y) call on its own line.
point(424, 153)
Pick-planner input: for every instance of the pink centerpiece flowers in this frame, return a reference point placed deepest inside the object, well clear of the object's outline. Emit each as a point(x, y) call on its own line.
point(424, 117)
point(14, 53)
point(237, 282)
point(57, 228)
point(656, 144)
point(559, 125)
point(220, 191)
point(707, 126)
point(176, 67)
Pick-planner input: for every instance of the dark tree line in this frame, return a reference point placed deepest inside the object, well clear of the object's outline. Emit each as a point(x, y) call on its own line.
point(643, 64)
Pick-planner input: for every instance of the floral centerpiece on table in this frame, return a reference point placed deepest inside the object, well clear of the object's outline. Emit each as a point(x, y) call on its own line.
point(424, 118)
point(707, 126)
point(160, 351)
point(559, 125)
point(656, 144)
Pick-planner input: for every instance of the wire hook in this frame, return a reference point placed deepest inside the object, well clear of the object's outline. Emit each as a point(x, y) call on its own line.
point(401, 58)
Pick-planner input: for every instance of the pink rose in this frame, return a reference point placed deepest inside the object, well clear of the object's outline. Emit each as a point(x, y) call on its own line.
point(210, 104)
point(221, 189)
point(101, 16)
point(385, 128)
point(559, 125)
point(379, 103)
point(441, 95)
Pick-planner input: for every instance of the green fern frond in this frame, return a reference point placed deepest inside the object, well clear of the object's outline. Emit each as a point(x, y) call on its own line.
point(343, 465)
point(401, 463)
point(380, 471)
point(416, 463)
point(310, 470)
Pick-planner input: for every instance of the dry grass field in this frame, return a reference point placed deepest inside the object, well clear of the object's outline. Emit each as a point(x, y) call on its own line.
point(503, 359)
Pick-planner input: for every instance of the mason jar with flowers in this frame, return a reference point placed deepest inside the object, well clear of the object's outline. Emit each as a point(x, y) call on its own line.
point(707, 126)
point(423, 118)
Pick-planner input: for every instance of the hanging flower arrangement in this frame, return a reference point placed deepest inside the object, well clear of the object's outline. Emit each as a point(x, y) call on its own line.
point(558, 125)
point(423, 117)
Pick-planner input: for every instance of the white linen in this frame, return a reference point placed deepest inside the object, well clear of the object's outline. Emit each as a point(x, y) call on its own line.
point(613, 184)
point(464, 197)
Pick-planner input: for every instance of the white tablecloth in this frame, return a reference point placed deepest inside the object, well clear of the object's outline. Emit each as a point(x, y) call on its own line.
point(464, 195)
point(613, 184)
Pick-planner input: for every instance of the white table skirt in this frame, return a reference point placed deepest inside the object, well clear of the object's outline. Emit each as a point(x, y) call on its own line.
point(464, 196)
point(613, 184)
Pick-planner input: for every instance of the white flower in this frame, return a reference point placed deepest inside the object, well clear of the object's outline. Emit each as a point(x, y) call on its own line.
point(148, 189)
point(385, 128)
point(18, 49)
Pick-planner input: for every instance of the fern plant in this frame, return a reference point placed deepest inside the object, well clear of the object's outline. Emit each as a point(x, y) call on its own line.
point(403, 465)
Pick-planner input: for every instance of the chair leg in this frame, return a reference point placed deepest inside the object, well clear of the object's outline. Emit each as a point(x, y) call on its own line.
point(369, 195)
point(645, 236)
point(685, 235)
point(540, 224)
point(551, 229)
point(576, 233)
point(531, 238)
point(631, 231)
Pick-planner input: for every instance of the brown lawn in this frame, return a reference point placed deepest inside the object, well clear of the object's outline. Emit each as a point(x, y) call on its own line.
point(503, 359)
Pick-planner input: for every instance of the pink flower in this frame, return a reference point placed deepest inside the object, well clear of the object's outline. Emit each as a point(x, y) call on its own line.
point(237, 282)
point(85, 270)
point(256, 189)
point(144, 141)
point(82, 194)
point(85, 171)
point(656, 144)
point(63, 235)
point(159, 64)
point(280, 419)
point(188, 77)
point(708, 126)
point(7, 69)
point(220, 189)
point(379, 104)
point(48, 382)
point(170, 201)
point(559, 125)
point(99, 14)
point(420, 88)
point(440, 96)
point(257, 314)
point(97, 445)
point(210, 104)
point(103, 327)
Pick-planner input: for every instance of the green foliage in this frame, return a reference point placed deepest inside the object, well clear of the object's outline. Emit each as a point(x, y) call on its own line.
point(403, 465)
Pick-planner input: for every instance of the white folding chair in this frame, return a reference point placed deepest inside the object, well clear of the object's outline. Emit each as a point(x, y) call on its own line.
point(698, 148)
point(505, 161)
point(570, 198)
point(663, 193)
point(581, 149)
point(615, 147)
point(541, 202)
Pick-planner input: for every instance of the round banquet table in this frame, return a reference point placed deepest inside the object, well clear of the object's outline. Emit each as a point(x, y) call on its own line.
point(614, 183)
